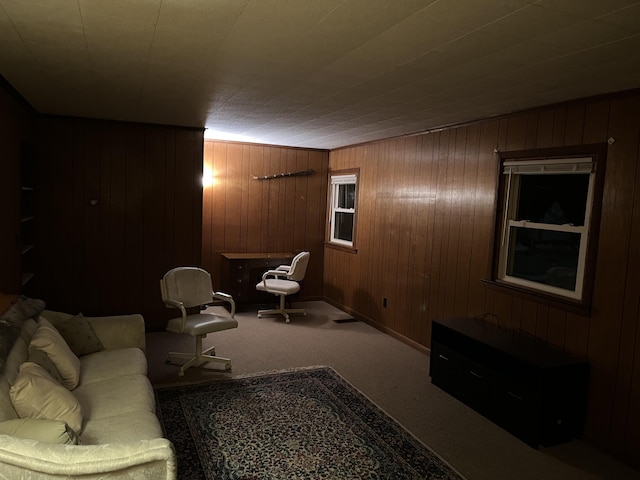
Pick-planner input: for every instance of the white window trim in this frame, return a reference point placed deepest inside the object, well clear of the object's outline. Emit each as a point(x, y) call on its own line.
point(546, 166)
point(341, 179)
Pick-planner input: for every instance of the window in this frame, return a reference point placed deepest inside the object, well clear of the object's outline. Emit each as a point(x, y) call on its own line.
point(548, 231)
point(342, 221)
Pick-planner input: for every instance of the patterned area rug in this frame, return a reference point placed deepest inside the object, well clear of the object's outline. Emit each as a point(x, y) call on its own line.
point(302, 424)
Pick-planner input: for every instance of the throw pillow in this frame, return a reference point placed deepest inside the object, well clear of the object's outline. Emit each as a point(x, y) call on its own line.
point(37, 395)
point(42, 359)
point(79, 335)
point(47, 339)
point(40, 429)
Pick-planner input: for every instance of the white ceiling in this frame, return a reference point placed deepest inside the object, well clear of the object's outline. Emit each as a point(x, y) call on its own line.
point(314, 73)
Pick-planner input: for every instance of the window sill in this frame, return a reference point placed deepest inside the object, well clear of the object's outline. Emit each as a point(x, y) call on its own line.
point(341, 247)
point(578, 308)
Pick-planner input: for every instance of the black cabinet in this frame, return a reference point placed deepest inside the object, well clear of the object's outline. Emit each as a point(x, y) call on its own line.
point(533, 391)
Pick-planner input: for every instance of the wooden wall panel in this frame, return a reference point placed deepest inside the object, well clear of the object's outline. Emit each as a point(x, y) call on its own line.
point(121, 205)
point(429, 256)
point(245, 215)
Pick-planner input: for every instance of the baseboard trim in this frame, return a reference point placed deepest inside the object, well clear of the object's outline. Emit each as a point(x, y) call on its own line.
point(379, 326)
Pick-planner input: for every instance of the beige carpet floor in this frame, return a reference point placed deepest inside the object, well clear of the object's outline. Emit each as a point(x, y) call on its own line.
point(393, 375)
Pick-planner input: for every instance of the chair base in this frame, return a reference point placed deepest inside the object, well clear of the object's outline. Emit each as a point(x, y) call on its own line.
point(285, 312)
point(198, 358)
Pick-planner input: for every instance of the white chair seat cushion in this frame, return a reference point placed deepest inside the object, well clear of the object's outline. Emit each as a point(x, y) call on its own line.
point(201, 324)
point(126, 427)
point(108, 364)
point(116, 396)
point(279, 286)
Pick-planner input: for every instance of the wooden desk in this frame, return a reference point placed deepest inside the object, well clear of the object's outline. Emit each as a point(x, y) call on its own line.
point(242, 271)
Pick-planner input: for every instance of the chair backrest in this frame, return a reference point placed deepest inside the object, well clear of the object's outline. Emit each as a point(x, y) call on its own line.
point(298, 266)
point(189, 285)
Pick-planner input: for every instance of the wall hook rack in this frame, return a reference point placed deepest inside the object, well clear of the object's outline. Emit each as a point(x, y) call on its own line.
point(300, 173)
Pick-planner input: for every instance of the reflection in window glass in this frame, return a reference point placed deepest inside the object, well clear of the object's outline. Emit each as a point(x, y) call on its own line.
point(347, 195)
point(554, 199)
point(544, 256)
point(344, 226)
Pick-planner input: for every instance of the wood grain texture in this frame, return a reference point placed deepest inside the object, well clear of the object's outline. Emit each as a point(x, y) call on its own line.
point(426, 215)
point(428, 256)
point(242, 214)
point(121, 205)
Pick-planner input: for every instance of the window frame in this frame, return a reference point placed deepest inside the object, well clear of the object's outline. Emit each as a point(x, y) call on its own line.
point(336, 178)
point(553, 158)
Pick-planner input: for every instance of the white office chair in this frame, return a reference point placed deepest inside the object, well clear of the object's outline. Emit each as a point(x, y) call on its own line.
point(187, 287)
point(283, 281)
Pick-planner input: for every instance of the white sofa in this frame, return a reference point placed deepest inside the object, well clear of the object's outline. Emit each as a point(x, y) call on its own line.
point(119, 435)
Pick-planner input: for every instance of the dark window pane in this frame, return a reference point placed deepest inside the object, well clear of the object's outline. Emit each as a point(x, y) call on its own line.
point(343, 228)
point(346, 195)
point(554, 199)
point(545, 257)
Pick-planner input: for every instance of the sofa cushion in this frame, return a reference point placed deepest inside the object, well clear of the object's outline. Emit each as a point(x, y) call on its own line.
point(7, 412)
point(42, 359)
point(79, 335)
point(40, 429)
point(35, 394)
point(17, 356)
point(49, 340)
point(108, 364)
point(115, 396)
point(126, 427)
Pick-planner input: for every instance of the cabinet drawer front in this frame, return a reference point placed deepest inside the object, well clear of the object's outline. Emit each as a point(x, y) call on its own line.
point(518, 411)
point(444, 361)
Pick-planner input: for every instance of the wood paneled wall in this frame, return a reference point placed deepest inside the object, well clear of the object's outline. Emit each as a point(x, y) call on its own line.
point(246, 215)
point(17, 120)
point(120, 205)
point(425, 229)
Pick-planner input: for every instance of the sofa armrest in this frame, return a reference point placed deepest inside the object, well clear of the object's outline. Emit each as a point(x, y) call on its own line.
point(116, 331)
point(150, 459)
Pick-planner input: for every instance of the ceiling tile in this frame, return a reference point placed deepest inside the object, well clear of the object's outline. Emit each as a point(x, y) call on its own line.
point(321, 74)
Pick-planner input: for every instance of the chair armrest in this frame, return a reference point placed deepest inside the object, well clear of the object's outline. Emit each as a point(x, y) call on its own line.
point(284, 268)
point(153, 458)
point(274, 273)
point(225, 297)
point(173, 303)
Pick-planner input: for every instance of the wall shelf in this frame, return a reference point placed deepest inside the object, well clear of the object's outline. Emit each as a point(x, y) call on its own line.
point(28, 218)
